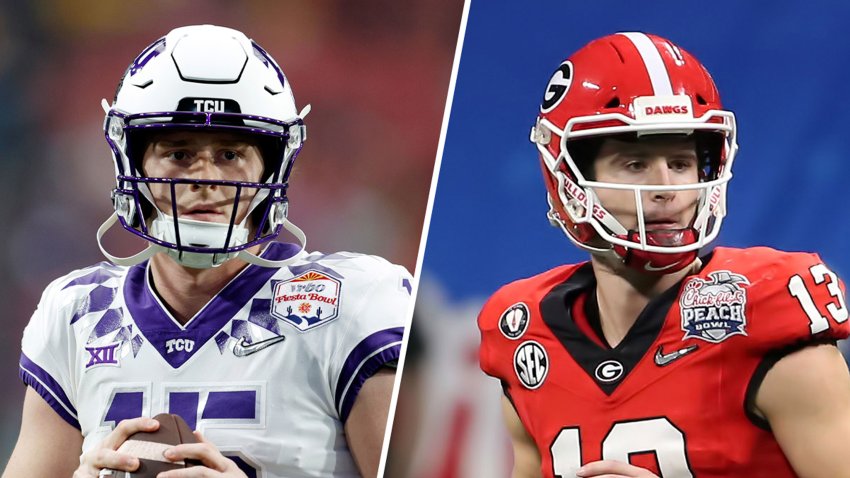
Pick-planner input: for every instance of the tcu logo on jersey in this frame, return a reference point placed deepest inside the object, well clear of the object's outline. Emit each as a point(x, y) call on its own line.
point(179, 345)
point(714, 310)
point(307, 300)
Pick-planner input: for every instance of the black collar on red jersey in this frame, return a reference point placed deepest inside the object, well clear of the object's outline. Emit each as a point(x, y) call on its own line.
point(556, 310)
point(591, 313)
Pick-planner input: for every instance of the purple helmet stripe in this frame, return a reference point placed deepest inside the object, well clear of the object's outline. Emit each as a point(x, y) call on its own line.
point(153, 50)
point(267, 59)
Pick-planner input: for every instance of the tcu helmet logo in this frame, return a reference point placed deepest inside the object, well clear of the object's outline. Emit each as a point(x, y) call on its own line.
point(209, 106)
point(307, 300)
point(531, 364)
point(514, 321)
point(714, 310)
point(558, 86)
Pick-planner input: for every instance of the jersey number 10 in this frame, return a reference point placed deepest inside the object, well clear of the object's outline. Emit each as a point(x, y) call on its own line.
point(651, 435)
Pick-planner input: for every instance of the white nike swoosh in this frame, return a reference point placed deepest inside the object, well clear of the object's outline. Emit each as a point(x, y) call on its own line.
point(662, 359)
point(243, 348)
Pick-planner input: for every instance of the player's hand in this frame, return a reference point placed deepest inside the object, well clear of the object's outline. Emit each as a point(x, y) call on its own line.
point(214, 463)
point(104, 455)
point(613, 469)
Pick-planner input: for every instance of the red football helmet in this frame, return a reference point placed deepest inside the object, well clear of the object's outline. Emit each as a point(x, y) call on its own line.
point(637, 84)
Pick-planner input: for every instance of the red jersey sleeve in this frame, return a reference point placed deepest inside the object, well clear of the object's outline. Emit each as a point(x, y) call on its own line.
point(491, 337)
point(797, 299)
point(512, 317)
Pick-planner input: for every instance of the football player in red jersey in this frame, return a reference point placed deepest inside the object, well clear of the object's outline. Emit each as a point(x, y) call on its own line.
point(649, 360)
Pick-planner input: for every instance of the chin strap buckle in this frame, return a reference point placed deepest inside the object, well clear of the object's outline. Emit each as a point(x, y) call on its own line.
point(278, 214)
point(125, 205)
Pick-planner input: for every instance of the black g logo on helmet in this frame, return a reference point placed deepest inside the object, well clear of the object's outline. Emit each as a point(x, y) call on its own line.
point(558, 86)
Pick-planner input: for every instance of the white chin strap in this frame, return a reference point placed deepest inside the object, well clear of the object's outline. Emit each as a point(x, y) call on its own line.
point(199, 234)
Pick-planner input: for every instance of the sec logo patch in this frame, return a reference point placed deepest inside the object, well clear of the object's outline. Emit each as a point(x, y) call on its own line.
point(514, 321)
point(531, 364)
point(307, 300)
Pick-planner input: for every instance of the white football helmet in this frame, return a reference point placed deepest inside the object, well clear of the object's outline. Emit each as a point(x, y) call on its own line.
point(203, 78)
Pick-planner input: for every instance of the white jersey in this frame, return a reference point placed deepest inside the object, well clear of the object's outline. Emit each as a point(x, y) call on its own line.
point(268, 370)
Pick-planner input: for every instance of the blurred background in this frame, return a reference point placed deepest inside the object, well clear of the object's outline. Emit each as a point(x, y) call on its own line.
point(781, 66)
point(376, 73)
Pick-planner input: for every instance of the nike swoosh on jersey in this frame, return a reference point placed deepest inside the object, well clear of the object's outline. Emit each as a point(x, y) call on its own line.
point(243, 348)
point(662, 359)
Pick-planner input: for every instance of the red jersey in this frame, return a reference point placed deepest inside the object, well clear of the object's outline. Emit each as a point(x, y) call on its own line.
point(676, 395)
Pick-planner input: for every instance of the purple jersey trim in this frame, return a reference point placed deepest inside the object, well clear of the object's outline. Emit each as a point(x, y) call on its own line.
point(363, 361)
point(41, 381)
point(158, 327)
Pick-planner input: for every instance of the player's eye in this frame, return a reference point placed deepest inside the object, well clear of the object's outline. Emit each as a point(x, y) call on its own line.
point(635, 165)
point(681, 165)
point(178, 155)
point(230, 155)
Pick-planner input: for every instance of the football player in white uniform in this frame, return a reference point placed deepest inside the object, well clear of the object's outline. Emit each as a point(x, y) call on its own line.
point(281, 359)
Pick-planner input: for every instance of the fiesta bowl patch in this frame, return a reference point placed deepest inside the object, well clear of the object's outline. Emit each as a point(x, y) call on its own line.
point(307, 300)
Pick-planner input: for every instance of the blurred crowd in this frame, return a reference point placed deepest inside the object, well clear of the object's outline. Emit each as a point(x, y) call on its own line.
point(376, 73)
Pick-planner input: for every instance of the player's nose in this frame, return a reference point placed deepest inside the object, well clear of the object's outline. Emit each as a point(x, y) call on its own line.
point(659, 175)
point(204, 167)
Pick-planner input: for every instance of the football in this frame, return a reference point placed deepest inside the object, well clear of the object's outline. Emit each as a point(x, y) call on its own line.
point(148, 447)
